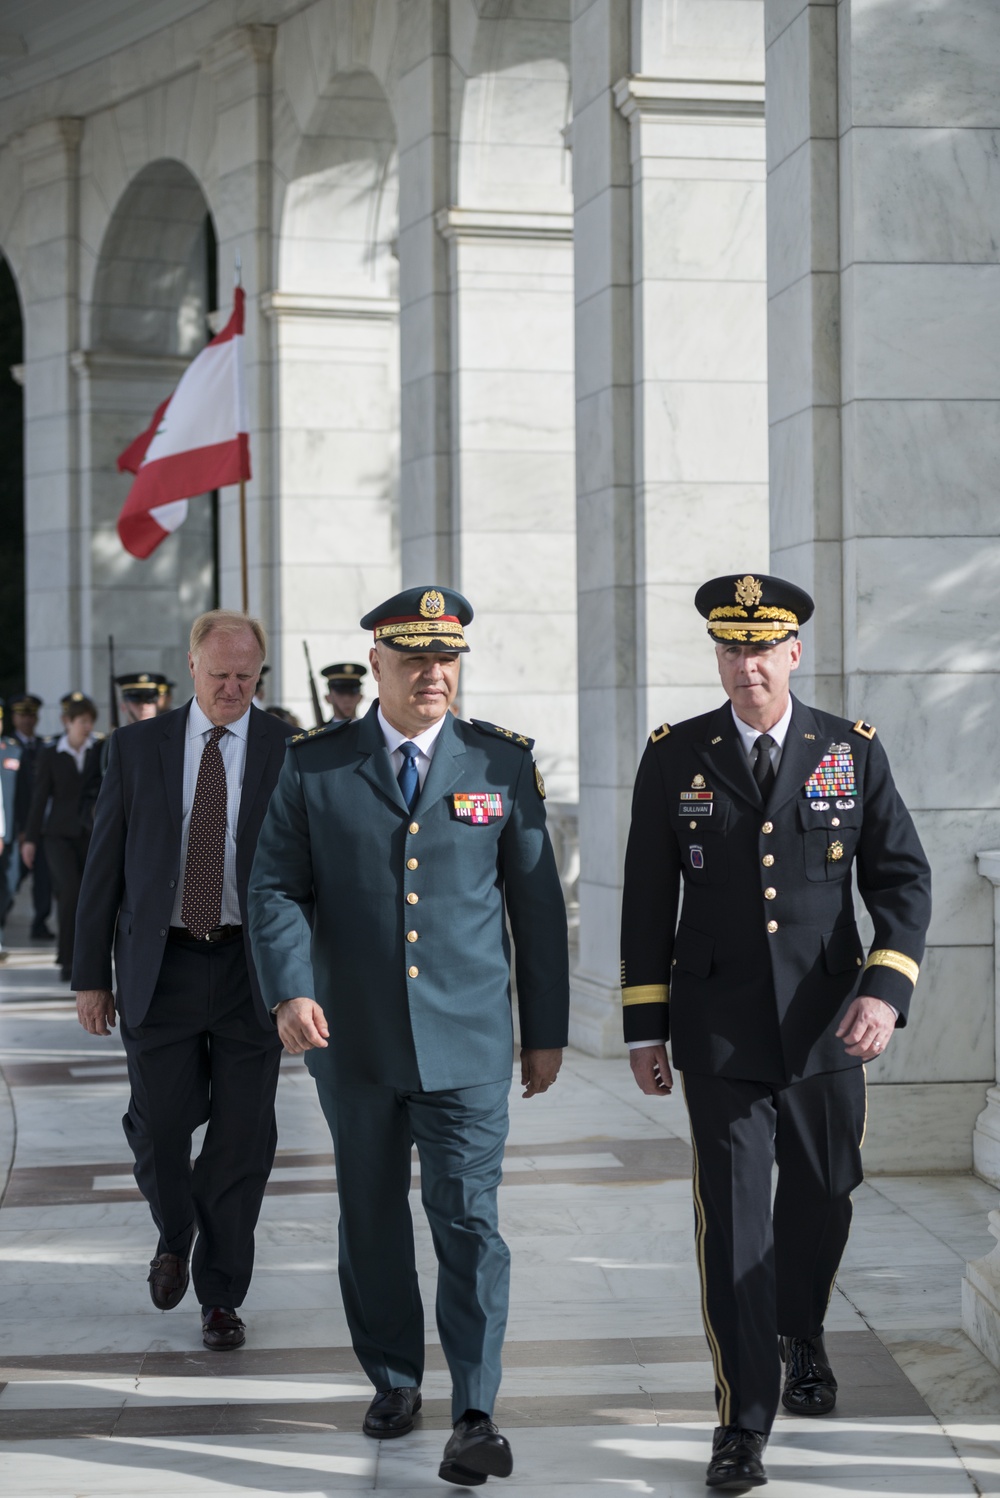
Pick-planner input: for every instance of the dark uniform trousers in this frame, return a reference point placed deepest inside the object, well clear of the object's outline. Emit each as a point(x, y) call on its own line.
point(201, 1055)
point(761, 1269)
point(460, 1136)
point(751, 985)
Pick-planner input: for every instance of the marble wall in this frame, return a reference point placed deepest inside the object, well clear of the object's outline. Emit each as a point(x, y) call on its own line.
point(884, 273)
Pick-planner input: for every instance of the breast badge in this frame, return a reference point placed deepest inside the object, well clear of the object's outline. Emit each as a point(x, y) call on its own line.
point(835, 852)
point(477, 807)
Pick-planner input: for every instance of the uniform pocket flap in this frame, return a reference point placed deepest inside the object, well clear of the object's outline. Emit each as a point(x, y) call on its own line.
point(693, 951)
point(842, 949)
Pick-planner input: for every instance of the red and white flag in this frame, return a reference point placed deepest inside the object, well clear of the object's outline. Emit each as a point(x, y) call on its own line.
point(197, 441)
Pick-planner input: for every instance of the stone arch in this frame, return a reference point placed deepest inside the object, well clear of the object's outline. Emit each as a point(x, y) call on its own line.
point(154, 288)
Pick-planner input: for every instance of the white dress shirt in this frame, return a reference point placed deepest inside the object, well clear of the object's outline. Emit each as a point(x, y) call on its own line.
point(233, 746)
point(424, 742)
point(749, 736)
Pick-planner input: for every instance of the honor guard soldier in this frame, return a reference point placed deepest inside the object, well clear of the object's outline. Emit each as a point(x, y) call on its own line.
point(24, 710)
point(141, 694)
point(393, 849)
point(762, 811)
point(260, 690)
point(343, 689)
point(10, 765)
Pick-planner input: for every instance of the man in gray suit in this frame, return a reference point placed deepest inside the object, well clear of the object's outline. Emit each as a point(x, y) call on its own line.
point(393, 848)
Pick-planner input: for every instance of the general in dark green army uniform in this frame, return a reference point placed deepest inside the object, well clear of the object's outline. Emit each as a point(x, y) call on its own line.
point(762, 811)
point(392, 848)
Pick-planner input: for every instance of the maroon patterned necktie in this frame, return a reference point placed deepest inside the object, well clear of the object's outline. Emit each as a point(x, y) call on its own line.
point(204, 868)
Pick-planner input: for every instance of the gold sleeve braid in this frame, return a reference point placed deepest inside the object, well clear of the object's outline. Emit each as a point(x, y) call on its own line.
point(886, 957)
point(646, 993)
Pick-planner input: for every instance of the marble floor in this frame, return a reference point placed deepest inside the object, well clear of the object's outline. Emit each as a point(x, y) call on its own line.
point(607, 1378)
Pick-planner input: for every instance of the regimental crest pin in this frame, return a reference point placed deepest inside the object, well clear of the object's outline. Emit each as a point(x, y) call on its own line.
point(698, 783)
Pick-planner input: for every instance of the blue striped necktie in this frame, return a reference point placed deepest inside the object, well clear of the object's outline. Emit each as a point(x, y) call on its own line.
point(408, 779)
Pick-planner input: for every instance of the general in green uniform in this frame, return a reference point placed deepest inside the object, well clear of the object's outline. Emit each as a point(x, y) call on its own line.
point(393, 848)
point(762, 811)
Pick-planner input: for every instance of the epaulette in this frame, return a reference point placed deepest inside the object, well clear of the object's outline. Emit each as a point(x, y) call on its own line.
point(865, 729)
point(312, 733)
point(503, 733)
point(659, 733)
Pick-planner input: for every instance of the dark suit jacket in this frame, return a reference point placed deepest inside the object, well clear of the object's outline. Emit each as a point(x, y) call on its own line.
point(133, 865)
point(395, 923)
point(758, 974)
point(55, 809)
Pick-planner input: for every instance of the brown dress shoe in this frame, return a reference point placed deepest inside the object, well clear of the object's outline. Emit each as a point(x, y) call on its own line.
point(168, 1280)
point(221, 1328)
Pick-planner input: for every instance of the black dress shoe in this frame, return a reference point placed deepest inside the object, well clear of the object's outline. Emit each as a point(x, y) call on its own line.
point(810, 1387)
point(167, 1280)
point(221, 1328)
point(391, 1413)
point(475, 1450)
point(736, 1458)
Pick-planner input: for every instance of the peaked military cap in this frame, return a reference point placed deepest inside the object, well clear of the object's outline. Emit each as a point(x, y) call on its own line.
point(24, 702)
point(758, 610)
point(345, 676)
point(425, 618)
point(139, 686)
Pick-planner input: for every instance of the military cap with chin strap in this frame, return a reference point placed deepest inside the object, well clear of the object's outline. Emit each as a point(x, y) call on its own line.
point(24, 702)
point(751, 609)
point(345, 676)
point(421, 619)
point(138, 686)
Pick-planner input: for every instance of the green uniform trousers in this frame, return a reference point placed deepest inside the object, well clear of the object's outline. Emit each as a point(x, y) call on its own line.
point(460, 1136)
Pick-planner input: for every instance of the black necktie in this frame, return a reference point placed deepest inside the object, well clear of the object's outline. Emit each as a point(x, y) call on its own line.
point(408, 778)
point(763, 770)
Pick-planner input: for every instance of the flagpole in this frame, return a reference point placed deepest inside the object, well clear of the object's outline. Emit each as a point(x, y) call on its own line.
point(238, 281)
point(243, 545)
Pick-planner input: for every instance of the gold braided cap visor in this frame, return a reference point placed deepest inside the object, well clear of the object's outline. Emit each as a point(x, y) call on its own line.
point(768, 625)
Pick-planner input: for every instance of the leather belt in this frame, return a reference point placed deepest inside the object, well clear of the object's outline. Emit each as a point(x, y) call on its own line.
point(217, 934)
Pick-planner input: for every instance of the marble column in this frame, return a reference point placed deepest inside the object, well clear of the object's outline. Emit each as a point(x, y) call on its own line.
point(884, 335)
point(46, 230)
point(239, 65)
point(668, 168)
point(981, 1283)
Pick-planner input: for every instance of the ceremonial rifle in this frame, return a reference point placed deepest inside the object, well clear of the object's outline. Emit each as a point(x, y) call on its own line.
point(317, 710)
point(112, 685)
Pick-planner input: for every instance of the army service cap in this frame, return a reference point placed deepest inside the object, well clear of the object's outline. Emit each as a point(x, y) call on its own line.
point(345, 676)
point(139, 686)
point(426, 618)
point(753, 610)
point(24, 702)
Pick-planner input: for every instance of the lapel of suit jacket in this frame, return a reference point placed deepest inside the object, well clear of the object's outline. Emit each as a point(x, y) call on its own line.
point(376, 766)
point(723, 753)
point(445, 767)
point(253, 767)
point(805, 745)
point(172, 759)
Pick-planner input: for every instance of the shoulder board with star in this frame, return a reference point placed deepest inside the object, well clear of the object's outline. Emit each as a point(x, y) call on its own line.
point(659, 733)
point(520, 739)
point(864, 729)
point(312, 733)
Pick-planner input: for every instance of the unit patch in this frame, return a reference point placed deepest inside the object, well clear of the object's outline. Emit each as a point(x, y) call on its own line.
point(834, 775)
point(697, 855)
point(539, 783)
point(12, 764)
point(477, 807)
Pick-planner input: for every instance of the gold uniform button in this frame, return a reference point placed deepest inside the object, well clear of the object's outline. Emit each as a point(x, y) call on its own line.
point(412, 863)
point(767, 860)
point(858, 961)
point(673, 962)
point(772, 927)
point(412, 972)
point(412, 899)
point(834, 821)
point(770, 892)
point(411, 936)
point(414, 827)
point(767, 827)
point(693, 826)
